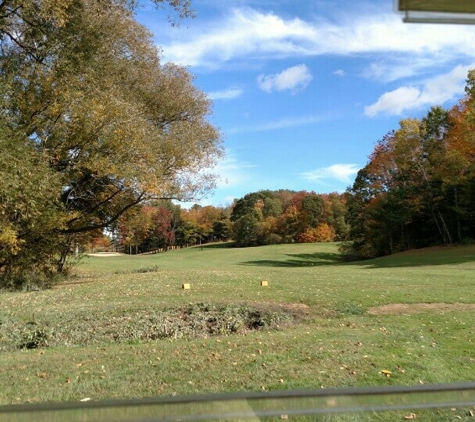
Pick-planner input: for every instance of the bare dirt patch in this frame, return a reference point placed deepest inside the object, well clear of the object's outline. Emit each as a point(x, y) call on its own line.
point(417, 308)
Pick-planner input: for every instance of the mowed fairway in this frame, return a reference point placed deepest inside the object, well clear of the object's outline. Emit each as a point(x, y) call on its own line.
point(111, 331)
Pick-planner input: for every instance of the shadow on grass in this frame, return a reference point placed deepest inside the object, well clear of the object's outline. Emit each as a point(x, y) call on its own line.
point(300, 260)
point(221, 245)
point(399, 262)
point(415, 258)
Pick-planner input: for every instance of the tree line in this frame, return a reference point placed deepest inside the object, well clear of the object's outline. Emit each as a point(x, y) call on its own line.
point(259, 218)
point(163, 224)
point(418, 187)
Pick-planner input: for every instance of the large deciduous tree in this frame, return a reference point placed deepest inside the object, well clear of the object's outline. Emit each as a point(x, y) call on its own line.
point(86, 95)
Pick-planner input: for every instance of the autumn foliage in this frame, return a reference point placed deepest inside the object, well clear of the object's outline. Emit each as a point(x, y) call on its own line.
point(92, 124)
point(269, 217)
point(418, 187)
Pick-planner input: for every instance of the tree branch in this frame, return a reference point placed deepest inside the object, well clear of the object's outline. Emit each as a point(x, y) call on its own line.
point(106, 223)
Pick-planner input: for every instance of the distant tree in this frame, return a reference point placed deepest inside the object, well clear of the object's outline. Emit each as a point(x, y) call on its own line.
point(203, 220)
point(288, 224)
point(322, 233)
point(272, 207)
point(312, 211)
point(246, 206)
point(100, 242)
point(222, 229)
point(133, 227)
point(187, 233)
point(246, 231)
point(337, 215)
point(161, 233)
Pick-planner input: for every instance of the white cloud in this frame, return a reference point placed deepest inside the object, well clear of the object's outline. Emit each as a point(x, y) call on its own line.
point(392, 68)
point(437, 90)
point(232, 172)
point(226, 94)
point(340, 172)
point(394, 102)
point(339, 72)
point(294, 78)
point(283, 123)
point(246, 33)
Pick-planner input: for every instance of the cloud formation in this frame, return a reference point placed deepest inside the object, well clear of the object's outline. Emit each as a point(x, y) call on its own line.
point(434, 91)
point(341, 172)
point(269, 36)
point(285, 122)
point(294, 79)
point(226, 94)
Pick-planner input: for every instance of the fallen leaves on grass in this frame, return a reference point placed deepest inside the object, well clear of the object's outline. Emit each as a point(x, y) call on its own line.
point(386, 373)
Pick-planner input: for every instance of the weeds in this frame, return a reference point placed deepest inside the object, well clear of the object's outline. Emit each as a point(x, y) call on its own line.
point(33, 337)
point(143, 270)
point(191, 321)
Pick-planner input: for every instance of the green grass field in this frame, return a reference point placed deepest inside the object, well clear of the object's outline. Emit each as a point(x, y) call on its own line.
point(123, 327)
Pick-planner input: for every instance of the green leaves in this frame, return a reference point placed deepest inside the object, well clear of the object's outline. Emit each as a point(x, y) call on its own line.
point(99, 124)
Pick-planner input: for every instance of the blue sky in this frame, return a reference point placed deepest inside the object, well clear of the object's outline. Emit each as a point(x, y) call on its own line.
point(302, 89)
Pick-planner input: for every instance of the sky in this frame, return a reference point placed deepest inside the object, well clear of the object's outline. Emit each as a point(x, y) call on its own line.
point(303, 89)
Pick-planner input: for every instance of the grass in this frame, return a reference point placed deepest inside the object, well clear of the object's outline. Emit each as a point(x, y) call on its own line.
point(123, 327)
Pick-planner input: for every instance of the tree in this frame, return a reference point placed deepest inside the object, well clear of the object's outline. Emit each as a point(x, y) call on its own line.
point(222, 229)
point(288, 224)
point(312, 211)
point(246, 231)
point(29, 213)
point(337, 215)
point(377, 202)
point(84, 85)
point(272, 207)
point(246, 206)
point(457, 172)
point(161, 233)
point(134, 227)
point(322, 233)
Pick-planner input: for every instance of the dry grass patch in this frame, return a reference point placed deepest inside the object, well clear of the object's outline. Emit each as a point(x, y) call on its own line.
point(418, 308)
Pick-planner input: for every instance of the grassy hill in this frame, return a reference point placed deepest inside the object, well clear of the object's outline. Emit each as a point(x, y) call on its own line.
point(124, 327)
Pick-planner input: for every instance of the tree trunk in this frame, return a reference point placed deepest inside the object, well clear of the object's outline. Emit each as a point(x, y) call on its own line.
point(457, 215)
